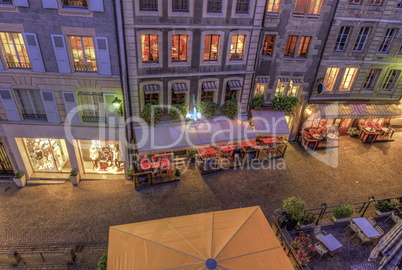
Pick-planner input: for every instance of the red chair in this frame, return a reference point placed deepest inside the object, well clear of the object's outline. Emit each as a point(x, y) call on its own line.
point(154, 158)
point(169, 170)
point(164, 157)
point(322, 130)
point(377, 126)
point(313, 131)
point(305, 134)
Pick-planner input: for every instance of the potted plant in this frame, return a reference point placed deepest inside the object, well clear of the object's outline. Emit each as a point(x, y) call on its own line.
point(294, 207)
point(191, 155)
point(102, 264)
point(352, 132)
point(20, 179)
point(230, 108)
point(178, 111)
point(75, 177)
point(130, 173)
point(177, 173)
point(152, 113)
point(286, 103)
point(303, 247)
point(386, 207)
point(208, 108)
point(307, 220)
point(342, 213)
point(257, 102)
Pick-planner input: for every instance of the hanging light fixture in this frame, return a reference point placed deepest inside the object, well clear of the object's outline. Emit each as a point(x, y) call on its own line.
point(117, 105)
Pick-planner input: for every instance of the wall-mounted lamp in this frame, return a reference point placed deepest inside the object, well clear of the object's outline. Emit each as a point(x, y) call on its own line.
point(117, 105)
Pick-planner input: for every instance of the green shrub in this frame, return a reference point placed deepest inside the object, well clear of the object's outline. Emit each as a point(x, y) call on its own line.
point(73, 172)
point(287, 103)
point(308, 218)
point(230, 108)
point(152, 113)
point(344, 211)
point(102, 264)
point(177, 111)
point(352, 131)
point(294, 207)
point(257, 102)
point(208, 108)
point(130, 171)
point(386, 206)
point(19, 175)
point(191, 153)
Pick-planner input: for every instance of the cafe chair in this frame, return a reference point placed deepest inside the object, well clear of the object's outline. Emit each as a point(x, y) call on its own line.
point(394, 217)
point(313, 131)
point(320, 249)
point(363, 238)
point(371, 221)
point(318, 232)
point(379, 230)
point(352, 225)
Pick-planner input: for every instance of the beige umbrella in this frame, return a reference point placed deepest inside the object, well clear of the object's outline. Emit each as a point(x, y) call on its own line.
point(232, 239)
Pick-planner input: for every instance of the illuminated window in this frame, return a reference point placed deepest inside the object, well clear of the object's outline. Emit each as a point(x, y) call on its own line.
point(237, 47)
point(149, 5)
point(180, 5)
point(390, 80)
point(91, 112)
point(14, 50)
point(207, 95)
point(179, 48)
point(315, 7)
point(178, 98)
point(361, 39)
point(312, 7)
point(342, 38)
point(242, 6)
point(388, 38)
point(260, 88)
point(269, 43)
point(294, 87)
point(273, 6)
point(211, 47)
point(300, 7)
point(30, 104)
point(330, 78)
point(282, 86)
point(151, 98)
point(291, 46)
point(10, 2)
point(149, 48)
point(354, 2)
point(375, 2)
point(347, 79)
point(214, 6)
point(83, 54)
point(303, 47)
point(75, 3)
point(371, 79)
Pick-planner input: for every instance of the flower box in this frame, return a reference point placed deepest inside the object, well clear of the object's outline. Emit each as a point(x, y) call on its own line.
point(340, 220)
point(383, 214)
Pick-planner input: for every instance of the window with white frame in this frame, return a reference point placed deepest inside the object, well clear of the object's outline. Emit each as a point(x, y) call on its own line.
point(30, 104)
point(269, 42)
point(211, 47)
point(237, 47)
point(311, 7)
point(83, 52)
point(390, 79)
point(91, 112)
point(330, 78)
point(242, 6)
point(273, 6)
point(149, 5)
point(371, 79)
point(14, 50)
point(214, 6)
point(342, 38)
point(347, 79)
point(354, 2)
point(149, 48)
point(180, 5)
point(388, 38)
point(303, 47)
point(288, 87)
point(375, 2)
point(361, 39)
point(75, 4)
point(179, 48)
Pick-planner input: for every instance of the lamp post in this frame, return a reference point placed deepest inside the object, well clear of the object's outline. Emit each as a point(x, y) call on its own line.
point(117, 105)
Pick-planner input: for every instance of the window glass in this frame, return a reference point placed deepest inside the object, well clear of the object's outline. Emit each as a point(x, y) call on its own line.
point(149, 5)
point(361, 39)
point(237, 47)
point(83, 51)
point(207, 95)
point(91, 111)
point(30, 104)
point(269, 43)
point(347, 79)
point(388, 38)
point(291, 46)
point(300, 7)
point(260, 88)
point(281, 87)
point(342, 38)
point(75, 3)
point(330, 78)
point(180, 5)
point(151, 98)
point(230, 93)
point(211, 47)
point(149, 48)
point(293, 89)
point(390, 80)
point(214, 6)
point(242, 6)
point(273, 6)
point(103, 157)
point(315, 7)
point(375, 2)
point(371, 79)
point(354, 2)
point(179, 48)
point(178, 98)
point(14, 51)
point(303, 47)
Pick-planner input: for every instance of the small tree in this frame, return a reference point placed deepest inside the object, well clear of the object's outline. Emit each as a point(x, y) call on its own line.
point(230, 108)
point(294, 207)
point(287, 103)
point(102, 264)
point(152, 113)
point(178, 110)
point(343, 211)
point(208, 108)
point(257, 102)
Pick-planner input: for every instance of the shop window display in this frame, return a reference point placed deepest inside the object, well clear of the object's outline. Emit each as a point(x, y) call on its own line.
point(47, 155)
point(101, 156)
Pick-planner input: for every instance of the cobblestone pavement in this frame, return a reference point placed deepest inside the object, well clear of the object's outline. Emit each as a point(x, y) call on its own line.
point(65, 215)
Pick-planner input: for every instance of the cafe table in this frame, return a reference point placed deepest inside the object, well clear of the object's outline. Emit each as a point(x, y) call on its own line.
point(366, 227)
point(270, 140)
point(248, 144)
point(330, 242)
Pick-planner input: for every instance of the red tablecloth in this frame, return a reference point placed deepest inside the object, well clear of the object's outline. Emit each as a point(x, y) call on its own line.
point(165, 163)
point(145, 166)
point(271, 140)
point(227, 148)
point(208, 151)
point(156, 165)
point(247, 144)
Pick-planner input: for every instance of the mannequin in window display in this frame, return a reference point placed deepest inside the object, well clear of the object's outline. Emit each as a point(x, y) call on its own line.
point(117, 157)
point(94, 155)
point(39, 155)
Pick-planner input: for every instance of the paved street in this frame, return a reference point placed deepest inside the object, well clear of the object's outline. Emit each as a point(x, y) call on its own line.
point(64, 215)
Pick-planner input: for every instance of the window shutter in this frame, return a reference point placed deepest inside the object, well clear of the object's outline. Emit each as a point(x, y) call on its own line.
point(60, 51)
point(49, 102)
point(96, 5)
point(35, 56)
point(111, 113)
point(70, 103)
point(103, 57)
point(1, 65)
point(21, 3)
point(52, 4)
point(9, 105)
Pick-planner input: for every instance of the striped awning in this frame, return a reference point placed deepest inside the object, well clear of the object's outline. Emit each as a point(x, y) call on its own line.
point(357, 110)
point(151, 88)
point(380, 110)
point(234, 85)
point(180, 88)
point(284, 80)
point(297, 81)
point(209, 86)
point(262, 80)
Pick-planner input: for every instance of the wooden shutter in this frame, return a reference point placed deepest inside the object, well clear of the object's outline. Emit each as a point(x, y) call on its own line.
point(70, 103)
point(52, 4)
point(110, 112)
point(96, 5)
point(9, 105)
point(49, 102)
point(21, 3)
point(60, 51)
point(103, 57)
point(35, 56)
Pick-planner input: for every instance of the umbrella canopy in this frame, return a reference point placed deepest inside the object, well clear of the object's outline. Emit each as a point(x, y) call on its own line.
point(232, 239)
point(390, 246)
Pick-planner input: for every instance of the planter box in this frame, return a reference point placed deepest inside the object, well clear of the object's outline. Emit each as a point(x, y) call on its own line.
point(384, 214)
point(308, 226)
point(75, 179)
point(340, 220)
point(20, 182)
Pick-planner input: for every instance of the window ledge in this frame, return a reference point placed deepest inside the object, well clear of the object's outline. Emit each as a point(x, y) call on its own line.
point(266, 57)
point(214, 15)
point(8, 8)
point(181, 14)
point(275, 14)
point(301, 58)
point(210, 63)
point(313, 16)
point(75, 12)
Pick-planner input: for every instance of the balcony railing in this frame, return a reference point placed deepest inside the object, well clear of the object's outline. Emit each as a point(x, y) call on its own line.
point(18, 65)
point(93, 119)
point(85, 68)
point(149, 5)
point(180, 6)
point(32, 116)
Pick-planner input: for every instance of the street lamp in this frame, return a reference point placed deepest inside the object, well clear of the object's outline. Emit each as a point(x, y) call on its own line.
point(117, 105)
